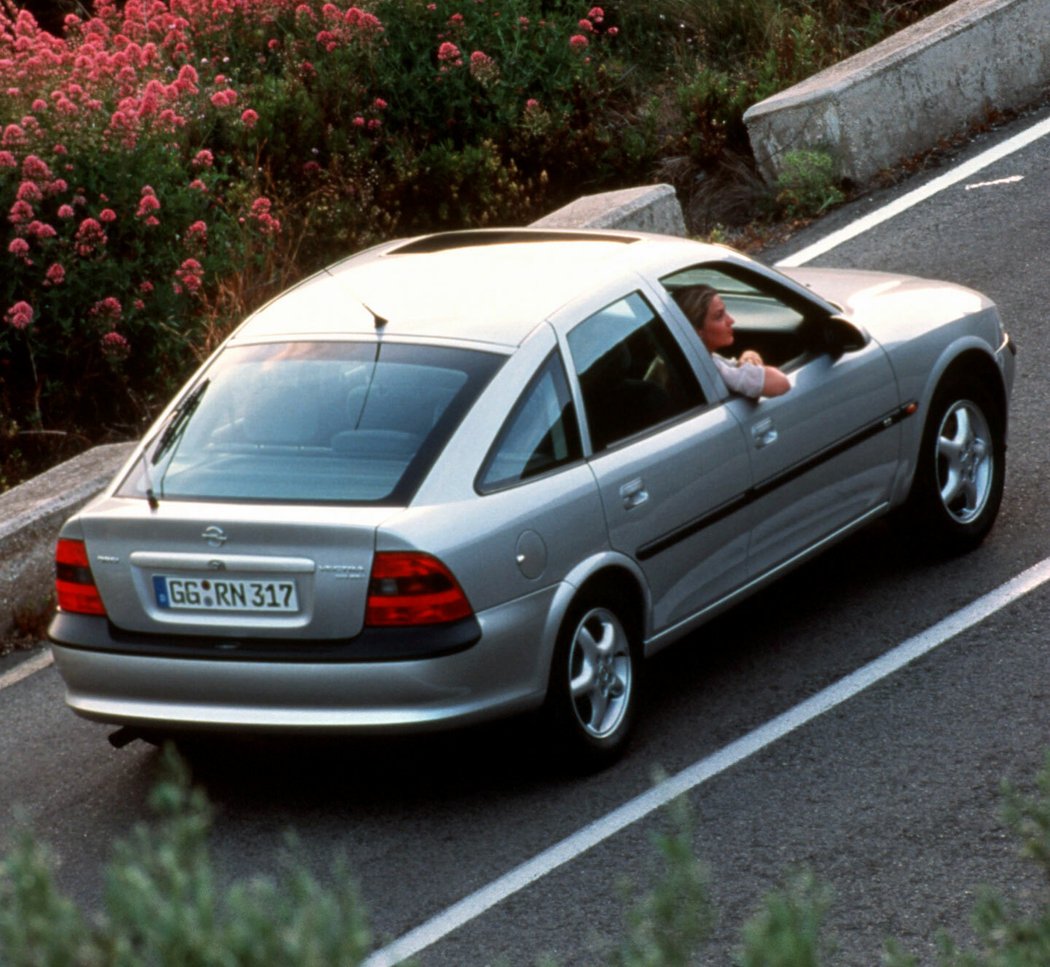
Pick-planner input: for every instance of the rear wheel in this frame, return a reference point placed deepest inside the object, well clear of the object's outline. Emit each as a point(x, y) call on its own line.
point(961, 470)
point(594, 684)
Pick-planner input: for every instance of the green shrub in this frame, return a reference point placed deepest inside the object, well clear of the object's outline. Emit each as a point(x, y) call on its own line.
point(164, 907)
point(806, 185)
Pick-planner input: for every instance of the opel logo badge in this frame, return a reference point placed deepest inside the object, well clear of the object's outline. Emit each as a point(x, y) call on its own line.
point(215, 536)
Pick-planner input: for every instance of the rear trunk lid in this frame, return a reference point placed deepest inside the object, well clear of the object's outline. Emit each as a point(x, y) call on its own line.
point(215, 569)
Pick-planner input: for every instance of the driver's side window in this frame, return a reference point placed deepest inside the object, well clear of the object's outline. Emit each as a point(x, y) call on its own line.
point(763, 322)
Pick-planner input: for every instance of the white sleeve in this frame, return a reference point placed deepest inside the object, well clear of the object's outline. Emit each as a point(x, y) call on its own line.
point(747, 379)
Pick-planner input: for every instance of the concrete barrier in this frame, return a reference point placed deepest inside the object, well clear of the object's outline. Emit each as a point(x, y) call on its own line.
point(928, 82)
point(651, 208)
point(30, 516)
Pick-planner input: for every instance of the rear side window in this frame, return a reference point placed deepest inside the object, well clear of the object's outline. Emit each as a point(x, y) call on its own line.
point(540, 435)
point(314, 421)
point(632, 372)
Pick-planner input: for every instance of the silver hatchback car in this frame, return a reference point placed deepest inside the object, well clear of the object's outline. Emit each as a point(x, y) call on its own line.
point(438, 482)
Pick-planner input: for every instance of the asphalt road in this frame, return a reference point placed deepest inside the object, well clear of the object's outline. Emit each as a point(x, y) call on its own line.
point(891, 797)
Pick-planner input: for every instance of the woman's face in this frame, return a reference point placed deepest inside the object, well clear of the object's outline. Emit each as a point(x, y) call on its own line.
point(717, 331)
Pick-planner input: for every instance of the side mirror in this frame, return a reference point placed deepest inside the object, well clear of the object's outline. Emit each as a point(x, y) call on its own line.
point(843, 336)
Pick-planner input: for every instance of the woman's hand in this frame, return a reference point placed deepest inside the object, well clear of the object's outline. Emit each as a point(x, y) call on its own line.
point(750, 356)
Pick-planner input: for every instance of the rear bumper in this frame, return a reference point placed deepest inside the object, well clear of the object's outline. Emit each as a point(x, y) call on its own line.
point(504, 671)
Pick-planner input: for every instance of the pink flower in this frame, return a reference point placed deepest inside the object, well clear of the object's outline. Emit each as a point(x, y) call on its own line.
point(249, 118)
point(65, 211)
point(612, 31)
point(7, 160)
point(226, 98)
point(19, 248)
point(578, 41)
point(13, 134)
point(189, 275)
point(203, 159)
point(358, 121)
point(55, 275)
point(108, 308)
point(260, 214)
point(20, 315)
point(148, 203)
point(198, 185)
point(115, 346)
point(596, 14)
point(448, 53)
point(29, 191)
point(586, 26)
point(379, 104)
point(35, 168)
point(20, 213)
point(89, 237)
point(40, 230)
point(107, 215)
point(197, 233)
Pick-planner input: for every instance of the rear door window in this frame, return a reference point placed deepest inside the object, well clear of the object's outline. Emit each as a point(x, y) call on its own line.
point(633, 374)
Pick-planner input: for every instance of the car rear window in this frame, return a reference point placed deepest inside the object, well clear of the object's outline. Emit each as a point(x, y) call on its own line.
point(313, 421)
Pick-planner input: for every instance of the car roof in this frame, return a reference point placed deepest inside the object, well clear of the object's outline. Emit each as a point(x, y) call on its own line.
point(492, 286)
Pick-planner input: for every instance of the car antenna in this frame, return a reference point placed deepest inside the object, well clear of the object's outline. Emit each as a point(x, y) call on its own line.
point(379, 321)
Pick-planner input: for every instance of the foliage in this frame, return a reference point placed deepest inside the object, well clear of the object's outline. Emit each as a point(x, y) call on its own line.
point(163, 905)
point(806, 185)
point(786, 932)
point(170, 164)
point(1007, 936)
point(668, 925)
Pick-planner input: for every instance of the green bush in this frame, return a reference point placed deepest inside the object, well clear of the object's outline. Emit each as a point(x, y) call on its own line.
point(163, 905)
point(807, 185)
point(164, 908)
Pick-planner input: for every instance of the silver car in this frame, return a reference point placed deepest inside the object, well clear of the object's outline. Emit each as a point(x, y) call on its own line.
point(437, 483)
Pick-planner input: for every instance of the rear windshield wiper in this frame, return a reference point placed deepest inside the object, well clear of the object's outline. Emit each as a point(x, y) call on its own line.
point(178, 422)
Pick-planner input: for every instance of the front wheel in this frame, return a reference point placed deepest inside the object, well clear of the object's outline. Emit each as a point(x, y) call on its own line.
point(961, 470)
point(594, 685)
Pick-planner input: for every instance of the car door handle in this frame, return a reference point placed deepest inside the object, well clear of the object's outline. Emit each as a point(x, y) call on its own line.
point(764, 432)
point(633, 493)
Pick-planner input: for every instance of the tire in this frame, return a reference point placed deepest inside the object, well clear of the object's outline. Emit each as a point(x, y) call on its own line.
point(594, 688)
point(961, 469)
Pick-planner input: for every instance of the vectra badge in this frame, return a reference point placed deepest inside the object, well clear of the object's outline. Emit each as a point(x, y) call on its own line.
point(215, 536)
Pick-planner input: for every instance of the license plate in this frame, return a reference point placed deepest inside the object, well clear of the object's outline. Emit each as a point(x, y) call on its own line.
point(224, 594)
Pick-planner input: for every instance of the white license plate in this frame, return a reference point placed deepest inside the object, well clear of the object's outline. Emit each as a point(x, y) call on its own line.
point(224, 594)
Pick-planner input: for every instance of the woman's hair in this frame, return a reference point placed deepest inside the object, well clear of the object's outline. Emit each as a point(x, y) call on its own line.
point(694, 301)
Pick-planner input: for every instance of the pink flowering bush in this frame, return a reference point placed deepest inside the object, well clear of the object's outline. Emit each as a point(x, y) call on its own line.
point(161, 160)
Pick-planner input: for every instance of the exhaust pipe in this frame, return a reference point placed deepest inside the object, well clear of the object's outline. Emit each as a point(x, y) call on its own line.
point(123, 736)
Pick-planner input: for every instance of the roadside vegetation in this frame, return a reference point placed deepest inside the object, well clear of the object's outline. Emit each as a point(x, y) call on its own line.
point(164, 904)
point(167, 165)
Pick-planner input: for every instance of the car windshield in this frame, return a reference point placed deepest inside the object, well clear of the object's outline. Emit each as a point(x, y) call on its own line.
point(313, 421)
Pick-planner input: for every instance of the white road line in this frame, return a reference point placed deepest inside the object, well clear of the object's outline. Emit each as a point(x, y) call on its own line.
point(660, 795)
point(912, 198)
point(26, 668)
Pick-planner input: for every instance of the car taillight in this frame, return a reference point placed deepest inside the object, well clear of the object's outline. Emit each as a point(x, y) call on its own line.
point(407, 588)
point(74, 584)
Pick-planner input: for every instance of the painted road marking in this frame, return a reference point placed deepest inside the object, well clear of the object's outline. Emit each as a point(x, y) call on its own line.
point(913, 198)
point(26, 668)
point(473, 906)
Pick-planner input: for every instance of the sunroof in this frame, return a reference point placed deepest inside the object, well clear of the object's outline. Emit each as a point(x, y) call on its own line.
point(446, 241)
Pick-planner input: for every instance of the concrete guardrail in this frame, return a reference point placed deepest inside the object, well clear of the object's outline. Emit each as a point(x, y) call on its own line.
point(903, 96)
